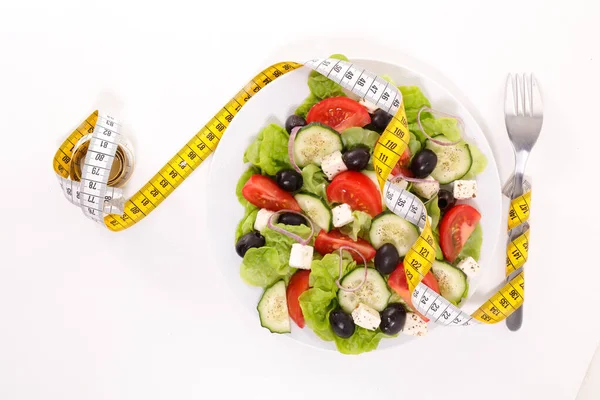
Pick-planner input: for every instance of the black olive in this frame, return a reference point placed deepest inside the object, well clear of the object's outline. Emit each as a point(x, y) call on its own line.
point(357, 159)
point(393, 318)
point(249, 240)
point(289, 180)
point(446, 200)
point(380, 120)
point(341, 323)
point(387, 258)
point(294, 121)
point(291, 219)
point(372, 127)
point(423, 163)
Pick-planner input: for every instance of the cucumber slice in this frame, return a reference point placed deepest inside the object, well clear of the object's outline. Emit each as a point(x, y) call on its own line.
point(373, 176)
point(453, 161)
point(316, 209)
point(390, 228)
point(315, 141)
point(452, 281)
point(273, 310)
point(374, 292)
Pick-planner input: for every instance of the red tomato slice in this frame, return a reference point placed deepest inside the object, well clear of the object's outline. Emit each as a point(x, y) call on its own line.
point(457, 225)
point(326, 243)
point(397, 281)
point(298, 285)
point(263, 192)
point(339, 113)
point(404, 161)
point(357, 190)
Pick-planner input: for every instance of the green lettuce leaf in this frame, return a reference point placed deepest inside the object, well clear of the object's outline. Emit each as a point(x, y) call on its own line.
point(262, 267)
point(242, 181)
point(265, 265)
point(246, 224)
point(414, 145)
point(269, 151)
point(472, 247)
point(322, 87)
point(448, 127)
point(359, 227)
point(320, 299)
point(316, 304)
point(362, 341)
point(388, 78)
point(433, 210)
point(414, 99)
point(438, 250)
point(306, 105)
point(314, 181)
point(479, 162)
point(282, 243)
point(353, 137)
point(325, 272)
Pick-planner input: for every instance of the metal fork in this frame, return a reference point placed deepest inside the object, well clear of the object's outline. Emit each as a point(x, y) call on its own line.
point(523, 116)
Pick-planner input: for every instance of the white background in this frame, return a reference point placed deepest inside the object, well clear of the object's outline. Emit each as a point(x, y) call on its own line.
point(144, 314)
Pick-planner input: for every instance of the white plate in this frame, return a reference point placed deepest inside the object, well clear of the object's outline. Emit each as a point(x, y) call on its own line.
point(275, 103)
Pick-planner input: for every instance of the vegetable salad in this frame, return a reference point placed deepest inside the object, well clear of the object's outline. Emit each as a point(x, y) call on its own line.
point(316, 234)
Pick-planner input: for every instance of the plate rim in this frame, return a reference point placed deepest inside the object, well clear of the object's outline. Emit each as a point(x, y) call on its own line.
point(450, 91)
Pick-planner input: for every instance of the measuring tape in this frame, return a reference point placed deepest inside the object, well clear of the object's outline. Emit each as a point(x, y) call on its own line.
point(103, 202)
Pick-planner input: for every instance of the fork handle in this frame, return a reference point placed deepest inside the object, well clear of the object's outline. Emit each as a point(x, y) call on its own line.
point(515, 320)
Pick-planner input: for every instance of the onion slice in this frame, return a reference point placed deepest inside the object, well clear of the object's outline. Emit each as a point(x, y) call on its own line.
point(289, 234)
point(337, 282)
point(409, 179)
point(291, 148)
point(439, 142)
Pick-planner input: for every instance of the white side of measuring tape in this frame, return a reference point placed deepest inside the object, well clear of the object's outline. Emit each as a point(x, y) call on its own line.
point(429, 303)
point(92, 193)
point(359, 81)
point(113, 198)
point(401, 202)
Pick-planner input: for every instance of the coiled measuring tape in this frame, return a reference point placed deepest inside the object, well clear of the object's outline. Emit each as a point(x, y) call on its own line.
point(104, 203)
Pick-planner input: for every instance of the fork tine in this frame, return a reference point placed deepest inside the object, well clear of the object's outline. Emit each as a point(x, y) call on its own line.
point(509, 96)
point(536, 98)
point(520, 100)
point(527, 95)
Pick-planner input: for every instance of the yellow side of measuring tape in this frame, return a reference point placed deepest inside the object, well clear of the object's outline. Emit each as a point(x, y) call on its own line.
point(164, 183)
point(419, 259)
point(387, 152)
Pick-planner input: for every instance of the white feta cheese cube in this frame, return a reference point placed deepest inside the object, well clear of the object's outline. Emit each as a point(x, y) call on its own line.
point(398, 182)
point(414, 325)
point(368, 105)
point(366, 317)
point(333, 164)
point(469, 266)
point(465, 189)
point(427, 189)
point(301, 256)
point(262, 218)
point(342, 215)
